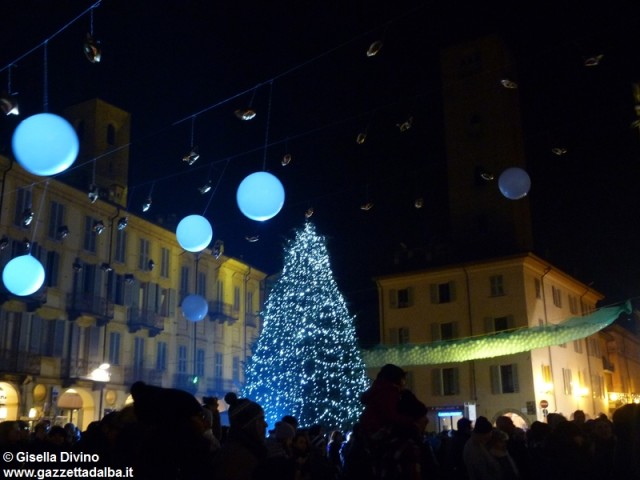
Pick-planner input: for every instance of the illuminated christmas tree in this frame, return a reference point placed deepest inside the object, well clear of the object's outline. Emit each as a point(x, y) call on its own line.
point(306, 362)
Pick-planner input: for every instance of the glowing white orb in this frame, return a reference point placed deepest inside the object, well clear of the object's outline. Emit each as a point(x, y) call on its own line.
point(514, 183)
point(194, 308)
point(23, 275)
point(194, 233)
point(45, 144)
point(260, 196)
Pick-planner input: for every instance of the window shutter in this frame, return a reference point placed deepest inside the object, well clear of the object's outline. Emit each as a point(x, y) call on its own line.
point(456, 381)
point(511, 322)
point(393, 336)
point(489, 326)
point(94, 342)
point(514, 373)
point(100, 281)
point(393, 298)
point(436, 381)
point(452, 291)
point(152, 290)
point(433, 290)
point(435, 332)
point(36, 334)
point(58, 338)
point(172, 302)
point(495, 379)
point(455, 329)
point(410, 296)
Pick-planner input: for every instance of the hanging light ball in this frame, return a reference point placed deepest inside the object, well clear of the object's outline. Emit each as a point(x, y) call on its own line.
point(194, 308)
point(194, 233)
point(23, 275)
point(260, 196)
point(514, 183)
point(45, 144)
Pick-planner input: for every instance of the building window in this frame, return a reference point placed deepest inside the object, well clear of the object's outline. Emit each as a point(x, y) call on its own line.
point(114, 348)
point(442, 292)
point(444, 331)
point(557, 297)
point(52, 265)
point(138, 353)
point(573, 304)
point(538, 287)
point(143, 264)
point(496, 283)
point(202, 284)
point(220, 291)
point(593, 347)
point(185, 273)
point(164, 263)
point(161, 356)
point(597, 385)
point(218, 365)
point(504, 378)
point(399, 336)
point(547, 376)
point(56, 219)
point(249, 308)
point(200, 363)
point(89, 235)
point(121, 246)
point(23, 202)
point(568, 381)
point(182, 359)
point(445, 381)
point(236, 369)
point(499, 324)
point(577, 346)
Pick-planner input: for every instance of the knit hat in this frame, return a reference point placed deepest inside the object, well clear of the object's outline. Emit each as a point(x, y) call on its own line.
point(242, 411)
point(156, 404)
point(284, 431)
point(482, 426)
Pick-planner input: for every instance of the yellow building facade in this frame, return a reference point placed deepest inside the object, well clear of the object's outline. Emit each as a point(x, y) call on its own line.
point(482, 297)
point(112, 296)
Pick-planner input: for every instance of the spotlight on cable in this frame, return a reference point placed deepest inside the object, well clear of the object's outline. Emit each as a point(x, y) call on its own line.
point(151, 265)
point(191, 157)
point(9, 104)
point(93, 194)
point(128, 278)
point(123, 222)
point(92, 49)
point(146, 205)
point(105, 267)
point(245, 114)
point(63, 232)
point(218, 248)
point(98, 227)
point(206, 188)
point(4, 243)
point(27, 217)
point(77, 266)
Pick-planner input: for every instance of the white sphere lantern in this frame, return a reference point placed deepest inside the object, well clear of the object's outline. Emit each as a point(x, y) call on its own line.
point(194, 308)
point(260, 196)
point(45, 144)
point(23, 275)
point(194, 233)
point(514, 183)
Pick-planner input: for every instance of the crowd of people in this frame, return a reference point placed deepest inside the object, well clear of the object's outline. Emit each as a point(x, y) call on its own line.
point(168, 434)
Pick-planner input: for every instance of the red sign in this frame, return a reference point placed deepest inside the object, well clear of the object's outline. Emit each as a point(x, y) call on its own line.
point(544, 404)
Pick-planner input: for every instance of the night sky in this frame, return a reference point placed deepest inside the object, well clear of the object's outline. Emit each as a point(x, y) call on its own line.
point(184, 67)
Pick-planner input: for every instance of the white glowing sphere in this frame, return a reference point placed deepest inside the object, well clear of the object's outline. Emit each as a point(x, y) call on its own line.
point(45, 144)
point(23, 275)
point(514, 183)
point(194, 308)
point(260, 196)
point(194, 233)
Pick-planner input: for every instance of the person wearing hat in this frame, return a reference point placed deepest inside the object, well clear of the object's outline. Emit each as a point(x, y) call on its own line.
point(244, 452)
point(481, 465)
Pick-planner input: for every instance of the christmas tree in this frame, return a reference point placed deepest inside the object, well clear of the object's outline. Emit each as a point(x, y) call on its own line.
point(306, 361)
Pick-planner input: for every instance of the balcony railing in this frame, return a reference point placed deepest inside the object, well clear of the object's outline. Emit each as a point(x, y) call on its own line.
point(88, 304)
point(184, 381)
point(19, 362)
point(138, 318)
point(607, 366)
point(220, 386)
point(221, 312)
point(252, 320)
point(150, 376)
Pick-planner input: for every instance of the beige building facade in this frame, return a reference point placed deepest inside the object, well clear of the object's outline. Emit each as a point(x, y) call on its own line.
point(112, 295)
point(478, 298)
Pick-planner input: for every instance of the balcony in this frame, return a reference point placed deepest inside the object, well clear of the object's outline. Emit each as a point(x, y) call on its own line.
point(222, 312)
point(150, 376)
point(81, 304)
point(184, 381)
point(138, 318)
point(252, 320)
point(607, 366)
point(12, 361)
point(220, 386)
point(32, 302)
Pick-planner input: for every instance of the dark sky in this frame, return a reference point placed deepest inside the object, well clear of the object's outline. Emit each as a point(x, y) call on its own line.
point(302, 66)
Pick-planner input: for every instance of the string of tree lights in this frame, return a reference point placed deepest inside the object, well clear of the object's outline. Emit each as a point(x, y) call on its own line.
point(372, 155)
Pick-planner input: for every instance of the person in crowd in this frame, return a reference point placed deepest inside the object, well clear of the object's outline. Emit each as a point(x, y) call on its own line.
point(170, 429)
point(309, 463)
point(336, 440)
point(243, 455)
point(279, 441)
point(538, 450)
point(516, 443)
point(451, 450)
point(291, 420)
point(626, 427)
point(210, 404)
point(318, 439)
point(568, 452)
point(480, 464)
point(498, 448)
